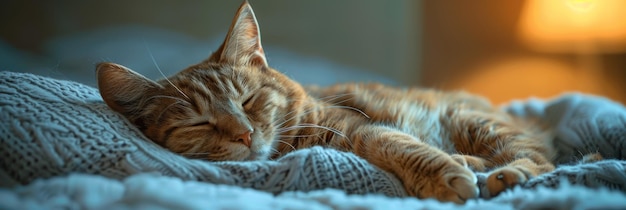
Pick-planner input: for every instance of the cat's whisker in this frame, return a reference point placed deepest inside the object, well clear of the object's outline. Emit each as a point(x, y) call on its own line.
point(337, 102)
point(162, 74)
point(295, 137)
point(170, 97)
point(305, 112)
point(318, 109)
point(178, 101)
point(292, 117)
point(353, 109)
point(285, 121)
point(312, 110)
point(276, 154)
point(165, 110)
point(329, 99)
point(335, 131)
point(299, 136)
point(274, 151)
point(287, 143)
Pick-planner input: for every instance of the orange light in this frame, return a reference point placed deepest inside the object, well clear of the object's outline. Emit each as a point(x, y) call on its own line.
point(569, 25)
point(523, 77)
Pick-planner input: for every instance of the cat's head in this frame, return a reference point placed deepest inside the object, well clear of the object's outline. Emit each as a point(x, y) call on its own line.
point(228, 107)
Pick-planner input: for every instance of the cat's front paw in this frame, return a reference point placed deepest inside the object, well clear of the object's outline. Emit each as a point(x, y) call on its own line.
point(461, 187)
point(504, 178)
point(457, 184)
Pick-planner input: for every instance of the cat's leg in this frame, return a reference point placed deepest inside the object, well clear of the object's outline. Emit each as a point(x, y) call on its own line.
point(476, 164)
point(425, 171)
point(515, 150)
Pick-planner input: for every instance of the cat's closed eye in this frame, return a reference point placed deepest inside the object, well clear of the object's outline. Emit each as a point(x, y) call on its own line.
point(247, 104)
point(202, 123)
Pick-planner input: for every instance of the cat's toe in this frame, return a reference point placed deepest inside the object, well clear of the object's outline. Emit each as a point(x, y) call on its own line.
point(505, 178)
point(454, 183)
point(457, 184)
point(462, 188)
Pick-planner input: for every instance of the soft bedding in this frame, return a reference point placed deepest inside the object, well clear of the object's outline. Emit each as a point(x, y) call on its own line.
point(63, 148)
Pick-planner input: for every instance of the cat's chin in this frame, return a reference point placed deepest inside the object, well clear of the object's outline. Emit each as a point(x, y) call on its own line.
point(260, 154)
point(256, 156)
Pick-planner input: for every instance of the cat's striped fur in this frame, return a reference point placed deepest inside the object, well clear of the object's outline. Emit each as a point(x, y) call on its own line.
point(233, 106)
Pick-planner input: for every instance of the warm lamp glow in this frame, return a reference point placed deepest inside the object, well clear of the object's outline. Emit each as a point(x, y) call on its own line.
point(583, 26)
point(522, 77)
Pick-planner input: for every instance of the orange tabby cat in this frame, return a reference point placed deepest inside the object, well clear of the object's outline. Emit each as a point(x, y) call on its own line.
point(233, 106)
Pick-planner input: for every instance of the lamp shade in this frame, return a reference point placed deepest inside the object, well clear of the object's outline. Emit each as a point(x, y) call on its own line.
point(574, 25)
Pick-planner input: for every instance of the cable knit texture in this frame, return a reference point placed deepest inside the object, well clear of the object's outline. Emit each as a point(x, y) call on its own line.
point(52, 128)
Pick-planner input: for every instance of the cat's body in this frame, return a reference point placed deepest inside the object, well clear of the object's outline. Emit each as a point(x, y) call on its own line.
point(233, 106)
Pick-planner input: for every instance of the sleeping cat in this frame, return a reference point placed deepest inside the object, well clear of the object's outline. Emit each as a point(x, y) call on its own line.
point(234, 106)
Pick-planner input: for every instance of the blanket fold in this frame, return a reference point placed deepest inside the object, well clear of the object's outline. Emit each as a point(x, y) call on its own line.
point(584, 124)
point(59, 127)
point(145, 191)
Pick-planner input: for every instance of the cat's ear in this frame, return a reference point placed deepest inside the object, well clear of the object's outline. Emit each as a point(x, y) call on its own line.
point(121, 88)
point(243, 41)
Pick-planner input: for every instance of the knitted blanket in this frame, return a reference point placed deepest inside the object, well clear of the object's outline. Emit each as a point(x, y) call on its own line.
point(61, 146)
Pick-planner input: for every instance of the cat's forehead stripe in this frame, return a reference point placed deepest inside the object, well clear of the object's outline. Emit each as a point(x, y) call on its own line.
point(207, 89)
point(201, 96)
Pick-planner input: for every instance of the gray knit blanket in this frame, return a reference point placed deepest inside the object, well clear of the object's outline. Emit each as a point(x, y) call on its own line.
point(62, 147)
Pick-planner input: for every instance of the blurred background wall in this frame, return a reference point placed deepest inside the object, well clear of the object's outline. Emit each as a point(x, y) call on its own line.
point(368, 34)
point(479, 46)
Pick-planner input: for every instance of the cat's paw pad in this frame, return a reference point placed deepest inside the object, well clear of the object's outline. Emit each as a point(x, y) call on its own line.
point(505, 178)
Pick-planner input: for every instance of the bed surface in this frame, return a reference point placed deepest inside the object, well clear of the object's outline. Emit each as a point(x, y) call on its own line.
point(62, 147)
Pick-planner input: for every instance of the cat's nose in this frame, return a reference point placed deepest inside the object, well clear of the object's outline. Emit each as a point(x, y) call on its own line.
point(245, 138)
